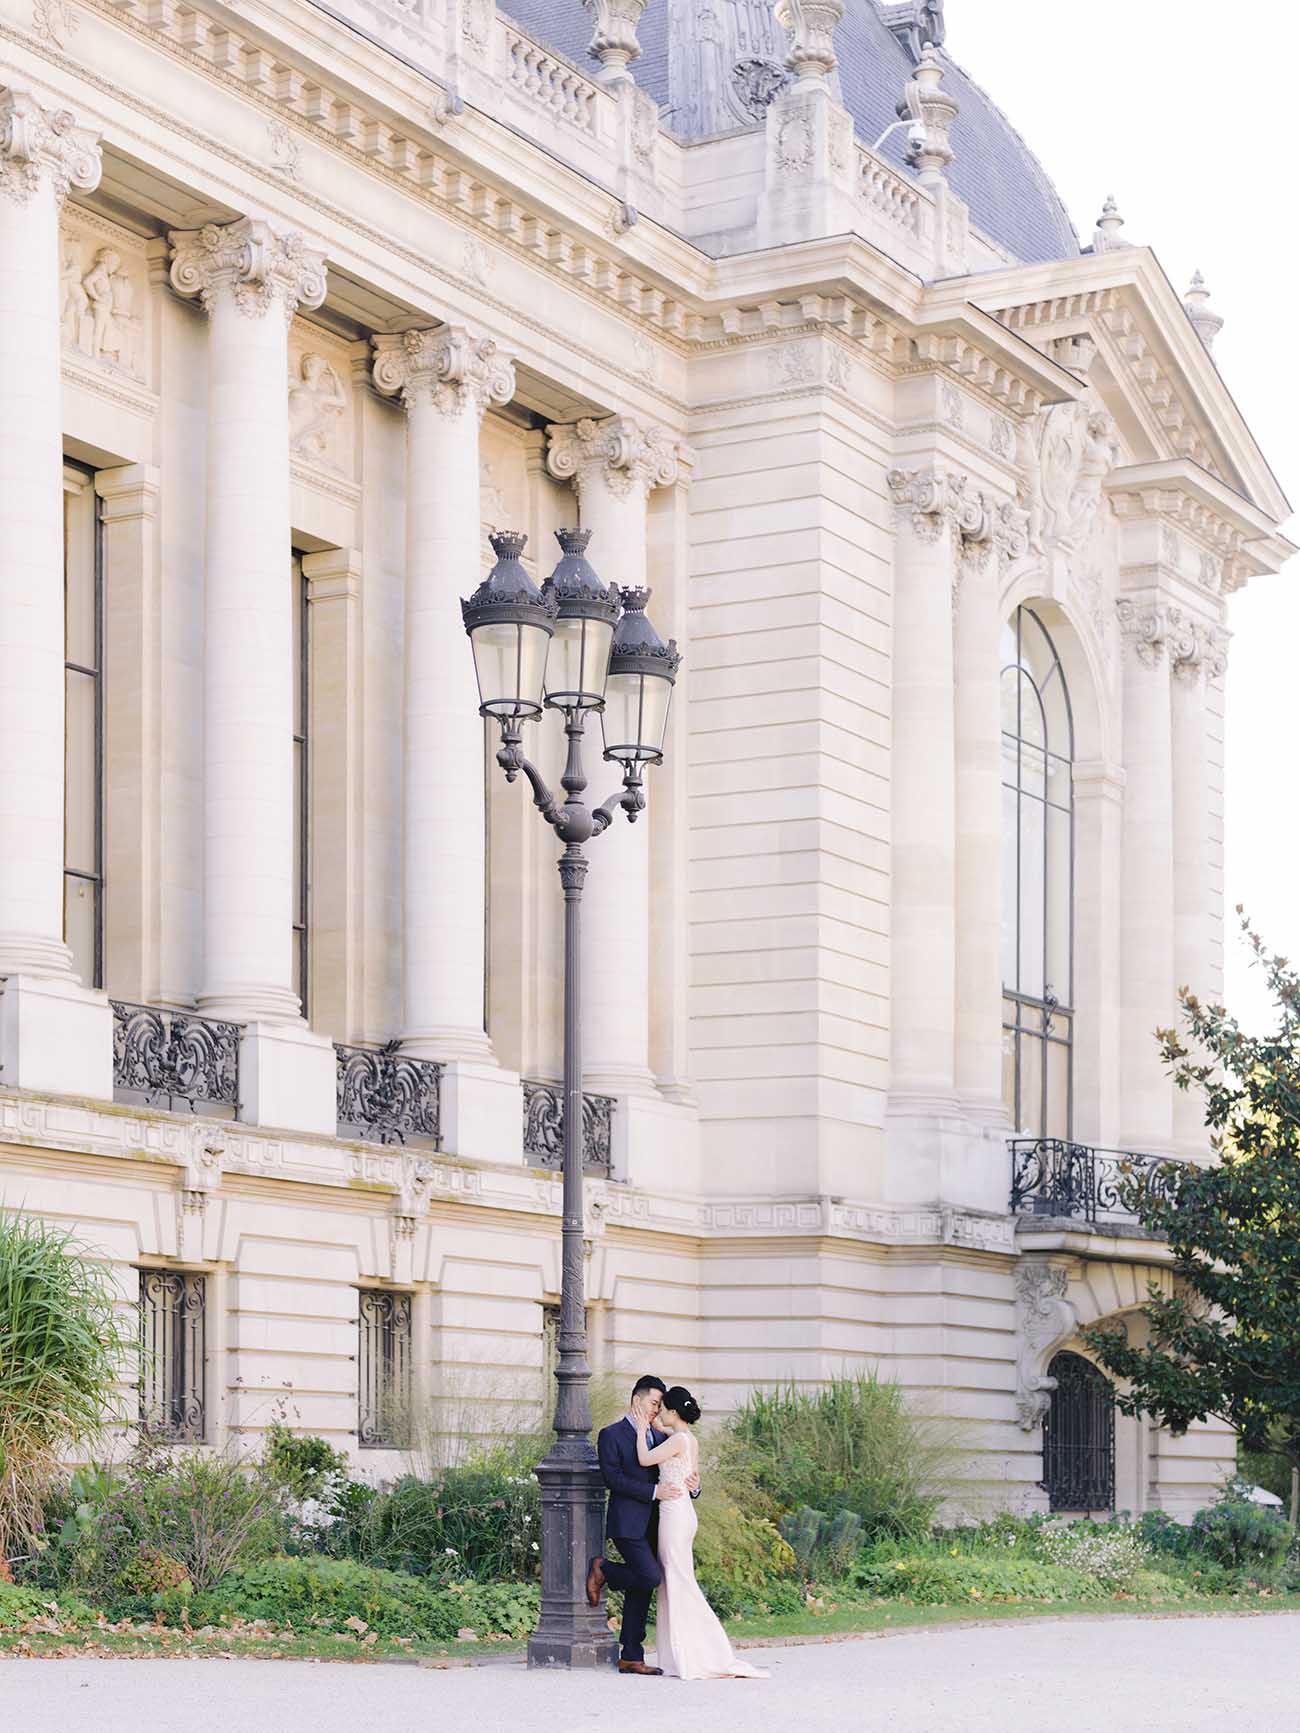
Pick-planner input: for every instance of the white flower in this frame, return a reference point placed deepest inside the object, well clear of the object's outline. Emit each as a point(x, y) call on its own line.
point(450, 1552)
point(535, 1547)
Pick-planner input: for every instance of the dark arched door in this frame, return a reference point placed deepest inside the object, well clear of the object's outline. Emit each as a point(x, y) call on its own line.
point(1079, 1437)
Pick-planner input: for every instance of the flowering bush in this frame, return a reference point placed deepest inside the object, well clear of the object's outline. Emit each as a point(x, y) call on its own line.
point(1109, 1555)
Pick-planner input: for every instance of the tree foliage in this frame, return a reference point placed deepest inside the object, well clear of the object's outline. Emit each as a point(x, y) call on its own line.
point(1226, 1341)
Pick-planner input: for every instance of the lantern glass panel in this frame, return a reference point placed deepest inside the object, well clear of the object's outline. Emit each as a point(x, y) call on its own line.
point(510, 662)
point(635, 718)
point(579, 662)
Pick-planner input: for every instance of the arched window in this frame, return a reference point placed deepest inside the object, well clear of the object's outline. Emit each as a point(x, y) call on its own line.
point(1079, 1437)
point(1037, 882)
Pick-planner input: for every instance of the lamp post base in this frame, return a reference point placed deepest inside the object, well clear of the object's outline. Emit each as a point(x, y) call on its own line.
point(570, 1633)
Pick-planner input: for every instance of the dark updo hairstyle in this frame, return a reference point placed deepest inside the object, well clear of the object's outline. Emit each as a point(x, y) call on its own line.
point(680, 1401)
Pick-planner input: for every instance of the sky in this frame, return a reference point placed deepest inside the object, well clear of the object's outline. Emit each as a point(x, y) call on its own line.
point(1189, 112)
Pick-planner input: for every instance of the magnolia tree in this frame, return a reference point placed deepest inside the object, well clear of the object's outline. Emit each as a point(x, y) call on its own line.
point(1226, 1341)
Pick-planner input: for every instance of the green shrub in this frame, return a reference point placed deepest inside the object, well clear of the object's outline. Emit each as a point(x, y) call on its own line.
point(170, 1518)
point(1109, 1554)
point(824, 1545)
point(854, 1445)
point(305, 1466)
point(741, 1561)
point(933, 1578)
point(64, 1345)
point(1241, 1536)
point(323, 1593)
point(20, 1604)
point(481, 1520)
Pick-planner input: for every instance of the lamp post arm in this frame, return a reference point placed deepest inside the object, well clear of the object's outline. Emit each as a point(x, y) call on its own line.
point(512, 760)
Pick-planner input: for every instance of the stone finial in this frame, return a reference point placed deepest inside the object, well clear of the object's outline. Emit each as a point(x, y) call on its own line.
point(36, 142)
point(450, 367)
point(811, 25)
point(934, 110)
point(1205, 320)
point(1106, 238)
point(252, 260)
point(614, 43)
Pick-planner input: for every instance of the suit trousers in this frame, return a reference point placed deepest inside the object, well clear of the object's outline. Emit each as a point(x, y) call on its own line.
point(637, 1577)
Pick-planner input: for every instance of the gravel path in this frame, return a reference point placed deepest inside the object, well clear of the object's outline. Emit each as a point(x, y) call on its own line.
point(1111, 1675)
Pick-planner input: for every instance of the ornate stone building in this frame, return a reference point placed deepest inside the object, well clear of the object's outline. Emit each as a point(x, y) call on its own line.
point(944, 508)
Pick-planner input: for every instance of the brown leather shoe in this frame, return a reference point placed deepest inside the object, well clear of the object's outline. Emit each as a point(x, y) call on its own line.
point(640, 1667)
point(595, 1581)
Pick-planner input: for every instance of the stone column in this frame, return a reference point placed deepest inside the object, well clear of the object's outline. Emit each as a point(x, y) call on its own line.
point(1198, 657)
point(922, 952)
point(1147, 899)
point(50, 1032)
point(613, 465)
point(252, 277)
point(447, 378)
point(977, 1067)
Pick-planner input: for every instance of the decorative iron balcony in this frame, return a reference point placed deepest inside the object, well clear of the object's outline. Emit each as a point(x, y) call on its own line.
point(544, 1127)
point(1052, 1177)
point(175, 1058)
point(384, 1096)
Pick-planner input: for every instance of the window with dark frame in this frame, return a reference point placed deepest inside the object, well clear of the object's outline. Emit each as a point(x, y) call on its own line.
point(301, 785)
point(1037, 882)
point(384, 1385)
point(83, 801)
point(1079, 1437)
point(173, 1356)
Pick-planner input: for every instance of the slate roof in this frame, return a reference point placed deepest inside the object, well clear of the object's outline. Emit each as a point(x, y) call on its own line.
point(1010, 196)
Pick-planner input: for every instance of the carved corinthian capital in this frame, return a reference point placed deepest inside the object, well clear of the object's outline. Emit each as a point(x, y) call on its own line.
point(1147, 626)
point(451, 368)
point(935, 501)
point(259, 265)
point(614, 43)
point(812, 25)
point(39, 143)
point(1199, 651)
point(619, 454)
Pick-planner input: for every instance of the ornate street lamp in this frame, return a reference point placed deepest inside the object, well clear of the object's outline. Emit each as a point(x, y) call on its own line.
point(578, 647)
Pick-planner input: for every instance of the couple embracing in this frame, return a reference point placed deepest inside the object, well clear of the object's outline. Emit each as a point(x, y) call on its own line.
point(650, 1461)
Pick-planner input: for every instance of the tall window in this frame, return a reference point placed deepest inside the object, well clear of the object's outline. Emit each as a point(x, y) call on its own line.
point(384, 1370)
point(173, 1355)
point(1037, 882)
point(1079, 1437)
point(83, 811)
point(301, 786)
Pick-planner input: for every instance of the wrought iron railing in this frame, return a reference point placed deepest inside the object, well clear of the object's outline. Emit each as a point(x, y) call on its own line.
point(544, 1127)
point(385, 1096)
point(1053, 1177)
point(166, 1058)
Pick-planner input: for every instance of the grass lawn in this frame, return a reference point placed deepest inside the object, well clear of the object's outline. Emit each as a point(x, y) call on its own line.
point(141, 1641)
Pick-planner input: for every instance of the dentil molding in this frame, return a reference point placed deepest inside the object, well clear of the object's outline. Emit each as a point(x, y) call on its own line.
point(452, 368)
point(258, 264)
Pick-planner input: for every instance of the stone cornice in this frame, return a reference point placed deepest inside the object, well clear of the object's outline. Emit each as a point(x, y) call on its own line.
point(1237, 533)
point(619, 453)
point(258, 264)
point(451, 368)
point(40, 144)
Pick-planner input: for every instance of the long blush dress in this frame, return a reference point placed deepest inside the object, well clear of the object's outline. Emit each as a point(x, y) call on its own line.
point(688, 1633)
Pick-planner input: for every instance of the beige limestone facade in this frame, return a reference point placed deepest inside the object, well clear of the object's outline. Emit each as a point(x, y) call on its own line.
point(298, 303)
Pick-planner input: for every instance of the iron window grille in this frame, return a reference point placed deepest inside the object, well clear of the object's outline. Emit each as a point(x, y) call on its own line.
point(173, 1356)
point(83, 676)
point(1038, 829)
point(384, 1370)
point(1079, 1437)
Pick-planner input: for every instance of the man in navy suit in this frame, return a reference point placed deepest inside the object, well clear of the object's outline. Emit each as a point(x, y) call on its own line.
point(633, 1521)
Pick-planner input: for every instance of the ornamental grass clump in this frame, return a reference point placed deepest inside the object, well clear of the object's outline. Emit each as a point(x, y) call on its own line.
point(65, 1348)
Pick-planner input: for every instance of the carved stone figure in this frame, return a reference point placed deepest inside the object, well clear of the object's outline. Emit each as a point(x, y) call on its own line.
point(1079, 448)
point(97, 310)
point(1046, 1318)
point(758, 83)
point(316, 404)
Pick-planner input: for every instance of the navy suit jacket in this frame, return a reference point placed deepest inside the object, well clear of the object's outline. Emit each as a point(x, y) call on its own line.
point(632, 1506)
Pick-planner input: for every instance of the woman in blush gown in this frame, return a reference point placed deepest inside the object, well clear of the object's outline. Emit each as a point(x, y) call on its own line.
point(688, 1633)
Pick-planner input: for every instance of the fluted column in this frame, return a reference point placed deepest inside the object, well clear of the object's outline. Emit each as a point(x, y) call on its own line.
point(1198, 658)
point(613, 465)
point(251, 278)
point(446, 379)
point(43, 155)
point(1147, 895)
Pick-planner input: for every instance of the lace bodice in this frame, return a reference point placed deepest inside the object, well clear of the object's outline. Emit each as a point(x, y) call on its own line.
point(675, 1471)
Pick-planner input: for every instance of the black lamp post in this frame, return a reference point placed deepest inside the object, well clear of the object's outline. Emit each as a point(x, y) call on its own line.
point(575, 646)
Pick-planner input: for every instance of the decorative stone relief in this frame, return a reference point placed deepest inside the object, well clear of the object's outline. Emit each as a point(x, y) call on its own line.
point(286, 150)
point(1045, 1319)
point(721, 51)
point(939, 501)
point(319, 406)
point(620, 452)
point(36, 142)
point(1078, 447)
point(1198, 650)
point(476, 19)
point(795, 139)
point(54, 21)
point(793, 364)
point(103, 296)
point(452, 368)
point(258, 264)
point(952, 403)
point(1147, 623)
point(1002, 437)
point(476, 260)
point(758, 83)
